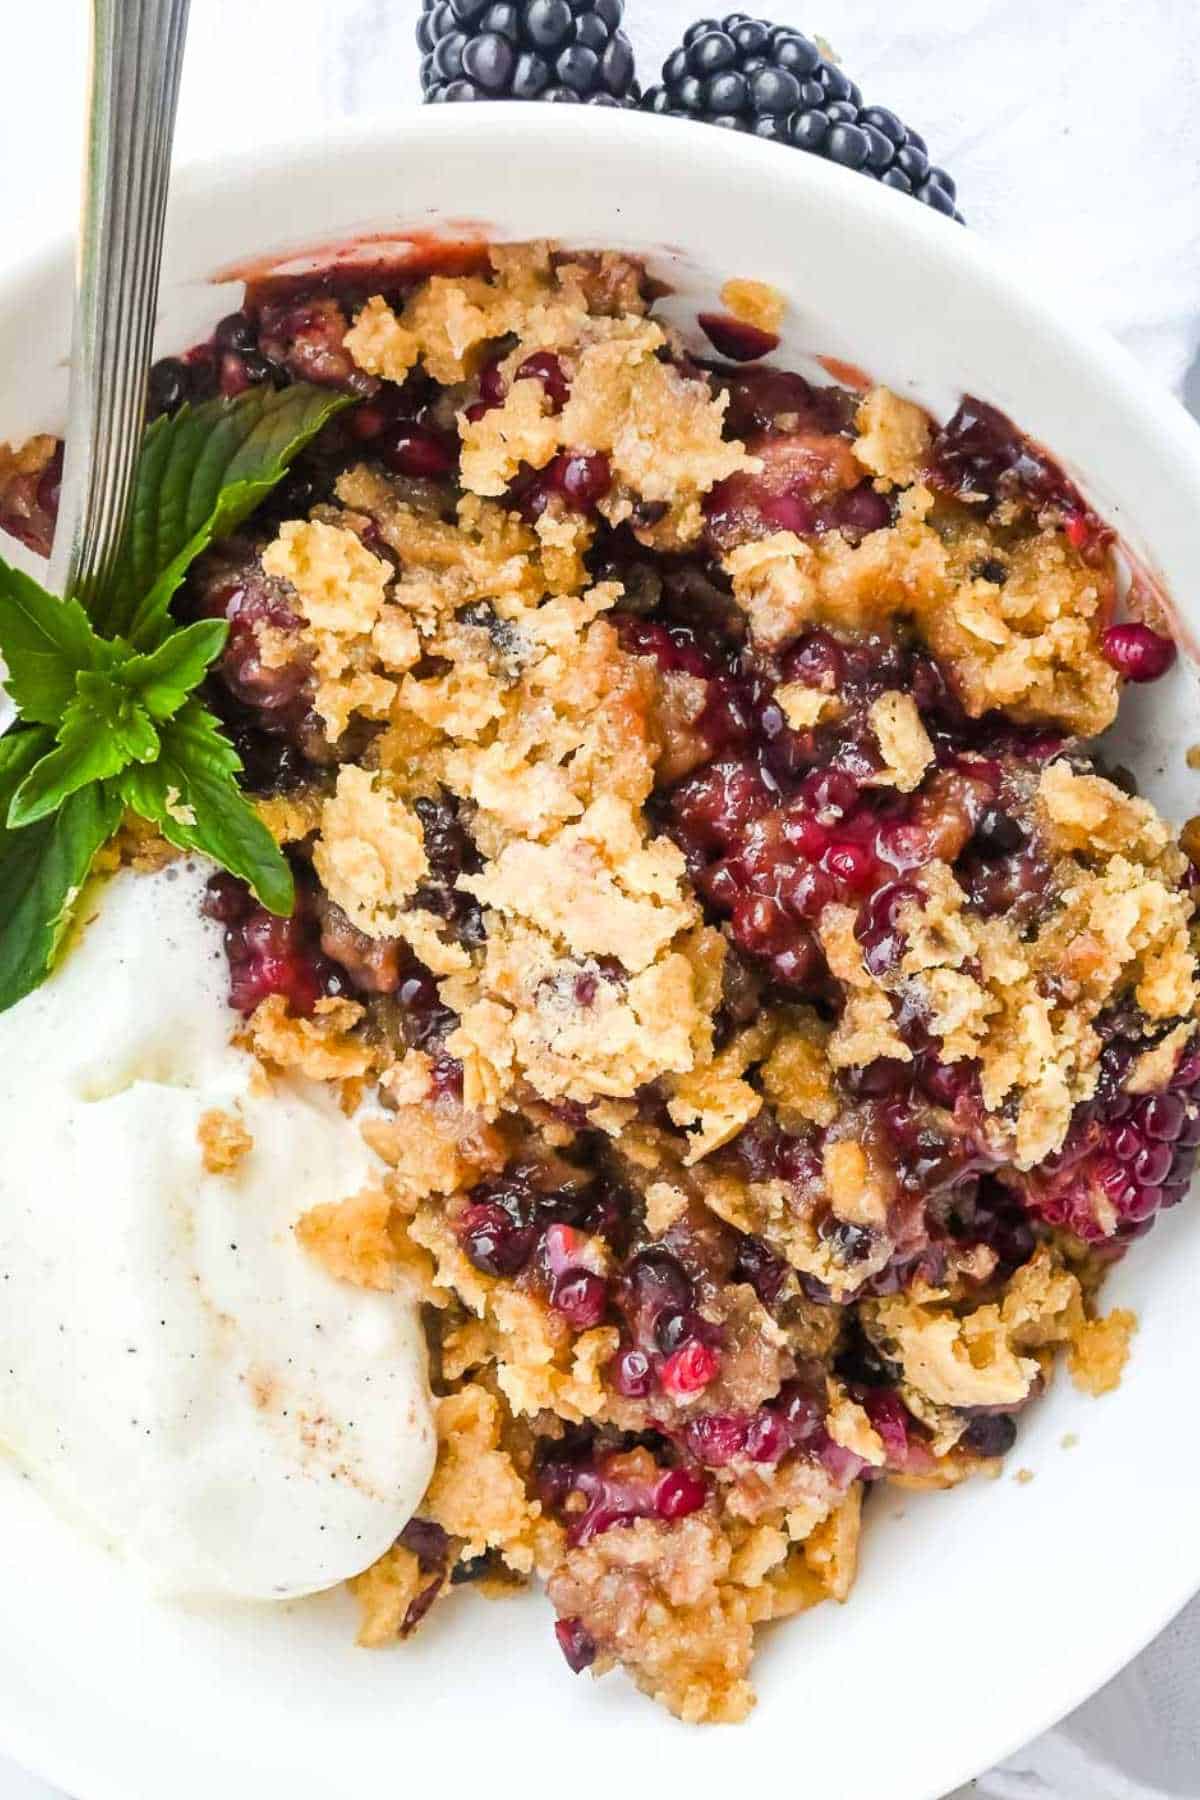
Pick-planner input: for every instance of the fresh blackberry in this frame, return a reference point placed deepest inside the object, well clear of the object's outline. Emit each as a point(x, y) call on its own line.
point(566, 50)
point(750, 75)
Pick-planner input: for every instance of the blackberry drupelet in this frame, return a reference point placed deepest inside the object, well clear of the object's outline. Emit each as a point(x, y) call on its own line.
point(750, 75)
point(1126, 1156)
point(565, 50)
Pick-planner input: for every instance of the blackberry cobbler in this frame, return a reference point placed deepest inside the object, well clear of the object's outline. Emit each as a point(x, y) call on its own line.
point(770, 1023)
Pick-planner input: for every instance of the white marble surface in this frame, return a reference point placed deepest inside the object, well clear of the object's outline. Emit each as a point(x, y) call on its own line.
point(1073, 129)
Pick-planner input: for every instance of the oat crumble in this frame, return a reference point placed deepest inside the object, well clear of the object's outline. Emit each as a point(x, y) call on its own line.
point(769, 1023)
point(224, 1141)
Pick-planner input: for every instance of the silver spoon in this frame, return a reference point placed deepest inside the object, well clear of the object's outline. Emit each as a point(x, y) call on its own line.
point(137, 54)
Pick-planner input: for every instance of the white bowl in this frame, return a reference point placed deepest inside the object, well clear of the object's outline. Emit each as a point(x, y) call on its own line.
point(981, 1616)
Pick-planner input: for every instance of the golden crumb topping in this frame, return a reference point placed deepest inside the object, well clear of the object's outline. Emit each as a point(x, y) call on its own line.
point(894, 438)
point(1088, 816)
point(379, 344)
point(1028, 647)
point(1100, 1349)
point(565, 1024)
point(903, 741)
point(849, 1425)
point(357, 1240)
point(992, 1355)
point(521, 430)
point(756, 303)
point(370, 853)
point(598, 888)
point(803, 707)
point(339, 584)
point(322, 1048)
point(855, 1192)
point(224, 1140)
point(387, 1594)
point(339, 587)
point(1026, 1005)
point(713, 1104)
point(753, 982)
point(476, 1494)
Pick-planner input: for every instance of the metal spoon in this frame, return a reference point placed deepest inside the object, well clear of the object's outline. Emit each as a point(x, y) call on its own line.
point(137, 53)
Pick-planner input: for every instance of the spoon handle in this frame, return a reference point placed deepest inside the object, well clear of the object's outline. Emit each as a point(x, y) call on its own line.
point(137, 54)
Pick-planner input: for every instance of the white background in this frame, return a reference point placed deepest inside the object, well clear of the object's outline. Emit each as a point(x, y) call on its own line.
point(1073, 129)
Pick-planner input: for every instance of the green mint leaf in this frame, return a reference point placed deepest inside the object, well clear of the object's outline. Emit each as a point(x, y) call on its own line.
point(191, 795)
point(20, 749)
point(163, 680)
point(42, 869)
point(102, 731)
point(45, 642)
point(201, 473)
point(124, 716)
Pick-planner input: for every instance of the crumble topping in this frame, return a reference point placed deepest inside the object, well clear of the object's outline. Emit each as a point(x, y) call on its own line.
point(544, 298)
point(713, 1104)
point(768, 1024)
point(290, 818)
point(137, 845)
point(850, 1426)
point(1153, 1069)
point(370, 854)
point(380, 344)
point(598, 887)
point(796, 1076)
point(522, 430)
point(27, 510)
point(339, 587)
point(662, 430)
point(432, 1149)
point(768, 586)
point(319, 1048)
point(1026, 646)
point(803, 707)
point(476, 1493)
point(664, 1205)
point(388, 1594)
point(1089, 817)
point(1100, 1349)
point(1026, 1007)
point(991, 1356)
point(565, 1023)
point(903, 741)
point(755, 303)
point(362, 1241)
point(894, 439)
point(855, 1192)
point(223, 1139)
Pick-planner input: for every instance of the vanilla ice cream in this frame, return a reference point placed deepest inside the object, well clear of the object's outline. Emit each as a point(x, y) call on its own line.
point(179, 1373)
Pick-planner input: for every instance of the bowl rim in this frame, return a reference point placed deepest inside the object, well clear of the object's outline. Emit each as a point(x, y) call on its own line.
point(1034, 290)
point(1022, 290)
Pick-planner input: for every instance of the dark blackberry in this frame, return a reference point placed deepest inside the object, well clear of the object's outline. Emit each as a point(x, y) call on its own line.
point(1126, 1157)
point(750, 75)
point(990, 1435)
point(169, 386)
point(564, 50)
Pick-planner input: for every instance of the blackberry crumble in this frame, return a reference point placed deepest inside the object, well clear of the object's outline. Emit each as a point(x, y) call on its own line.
point(772, 1026)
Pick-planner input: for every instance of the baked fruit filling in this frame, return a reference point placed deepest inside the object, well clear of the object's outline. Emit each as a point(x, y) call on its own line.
point(771, 1020)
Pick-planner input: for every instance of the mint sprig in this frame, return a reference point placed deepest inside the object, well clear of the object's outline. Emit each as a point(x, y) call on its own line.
point(190, 793)
point(163, 678)
point(106, 697)
point(45, 643)
point(44, 866)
